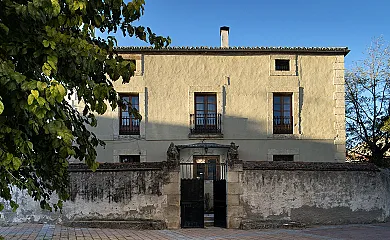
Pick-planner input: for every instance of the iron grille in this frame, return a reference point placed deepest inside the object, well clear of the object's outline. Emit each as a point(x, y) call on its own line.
point(129, 126)
point(205, 123)
point(283, 125)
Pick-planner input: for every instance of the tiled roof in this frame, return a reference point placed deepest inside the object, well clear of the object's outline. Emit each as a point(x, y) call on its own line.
point(342, 50)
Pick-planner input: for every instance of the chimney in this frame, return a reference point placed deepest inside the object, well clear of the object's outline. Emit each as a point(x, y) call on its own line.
point(224, 32)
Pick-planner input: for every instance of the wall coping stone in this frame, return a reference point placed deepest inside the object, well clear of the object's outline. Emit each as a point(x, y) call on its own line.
point(309, 166)
point(106, 167)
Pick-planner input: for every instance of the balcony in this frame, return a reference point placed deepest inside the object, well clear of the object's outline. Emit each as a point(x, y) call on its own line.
point(129, 126)
point(283, 125)
point(205, 124)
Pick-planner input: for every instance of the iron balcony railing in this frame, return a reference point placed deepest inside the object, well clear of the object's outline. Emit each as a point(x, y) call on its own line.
point(205, 123)
point(129, 126)
point(283, 125)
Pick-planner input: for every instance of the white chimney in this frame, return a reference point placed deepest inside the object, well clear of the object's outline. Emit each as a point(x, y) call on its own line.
point(224, 32)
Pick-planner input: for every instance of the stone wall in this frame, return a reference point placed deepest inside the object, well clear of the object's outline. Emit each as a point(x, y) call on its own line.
point(258, 194)
point(115, 192)
point(313, 193)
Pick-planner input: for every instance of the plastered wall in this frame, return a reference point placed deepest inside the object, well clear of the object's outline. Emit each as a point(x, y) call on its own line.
point(244, 86)
point(314, 197)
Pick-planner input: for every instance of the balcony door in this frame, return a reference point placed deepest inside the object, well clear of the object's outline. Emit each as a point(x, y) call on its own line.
point(206, 112)
point(283, 121)
point(128, 124)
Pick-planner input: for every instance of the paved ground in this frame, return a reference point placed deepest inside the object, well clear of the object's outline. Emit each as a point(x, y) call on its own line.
point(47, 231)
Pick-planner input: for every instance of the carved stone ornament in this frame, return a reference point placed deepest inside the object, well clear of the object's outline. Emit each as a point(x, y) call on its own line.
point(232, 152)
point(172, 153)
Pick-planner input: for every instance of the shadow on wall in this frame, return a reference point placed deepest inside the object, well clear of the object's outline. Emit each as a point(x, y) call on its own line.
point(255, 143)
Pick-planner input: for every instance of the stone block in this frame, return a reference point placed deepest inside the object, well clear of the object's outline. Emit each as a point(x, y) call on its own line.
point(233, 199)
point(341, 133)
point(235, 168)
point(234, 222)
point(338, 65)
point(339, 59)
point(340, 118)
point(339, 141)
point(340, 88)
point(173, 199)
point(340, 103)
point(339, 95)
point(173, 225)
point(171, 188)
point(172, 214)
point(340, 148)
point(234, 188)
point(235, 211)
point(339, 125)
point(338, 80)
point(339, 111)
point(339, 73)
point(232, 177)
point(339, 156)
point(174, 176)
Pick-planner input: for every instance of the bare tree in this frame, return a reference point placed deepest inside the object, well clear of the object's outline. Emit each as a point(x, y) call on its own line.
point(368, 104)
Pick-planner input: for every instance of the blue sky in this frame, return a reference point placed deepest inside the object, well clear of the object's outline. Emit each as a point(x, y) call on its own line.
point(269, 23)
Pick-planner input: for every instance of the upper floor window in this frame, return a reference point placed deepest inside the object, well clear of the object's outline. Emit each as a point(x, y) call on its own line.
point(128, 124)
point(282, 65)
point(282, 114)
point(206, 119)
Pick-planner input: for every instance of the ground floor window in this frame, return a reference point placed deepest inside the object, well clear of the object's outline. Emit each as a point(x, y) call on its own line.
point(284, 158)
point(129, 158)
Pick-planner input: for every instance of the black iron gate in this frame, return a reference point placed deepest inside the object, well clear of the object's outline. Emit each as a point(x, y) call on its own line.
point(219, 191)
point(193, 176)
point(192, 203)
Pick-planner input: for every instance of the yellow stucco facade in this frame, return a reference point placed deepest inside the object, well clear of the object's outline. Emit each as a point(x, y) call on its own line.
point(244, 82)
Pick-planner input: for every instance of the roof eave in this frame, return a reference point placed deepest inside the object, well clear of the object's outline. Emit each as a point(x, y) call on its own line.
point(319, 50)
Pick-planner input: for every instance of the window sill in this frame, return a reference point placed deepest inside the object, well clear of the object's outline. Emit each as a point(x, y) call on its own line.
point(129, 136)
point(284, 136)
point(204, 135)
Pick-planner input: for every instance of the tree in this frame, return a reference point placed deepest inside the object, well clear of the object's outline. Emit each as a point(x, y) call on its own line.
point(48, 51)
point(368, 104)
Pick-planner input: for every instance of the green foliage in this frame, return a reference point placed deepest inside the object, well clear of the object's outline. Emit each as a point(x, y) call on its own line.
point(49, 51)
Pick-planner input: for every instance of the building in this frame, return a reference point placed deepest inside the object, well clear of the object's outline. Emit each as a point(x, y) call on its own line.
point(275, 103)
point(206, 107)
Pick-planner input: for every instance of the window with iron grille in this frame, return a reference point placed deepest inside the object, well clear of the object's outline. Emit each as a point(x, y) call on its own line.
point(284, 158)
point(129, 158)
point(282, 111)
point(282, 65)
point(206, 119)
point(128, 124)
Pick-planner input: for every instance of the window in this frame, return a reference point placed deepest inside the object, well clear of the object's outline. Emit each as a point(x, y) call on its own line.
point(206, 119)
point(128, 124)
point(129, 158)
point(206, 168)
point(282, 65)
point(284, 158)
point(283, 120)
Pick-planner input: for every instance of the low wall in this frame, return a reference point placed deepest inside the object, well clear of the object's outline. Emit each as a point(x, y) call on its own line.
point(115, 192)
point(259, 194)
point(313, 193)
